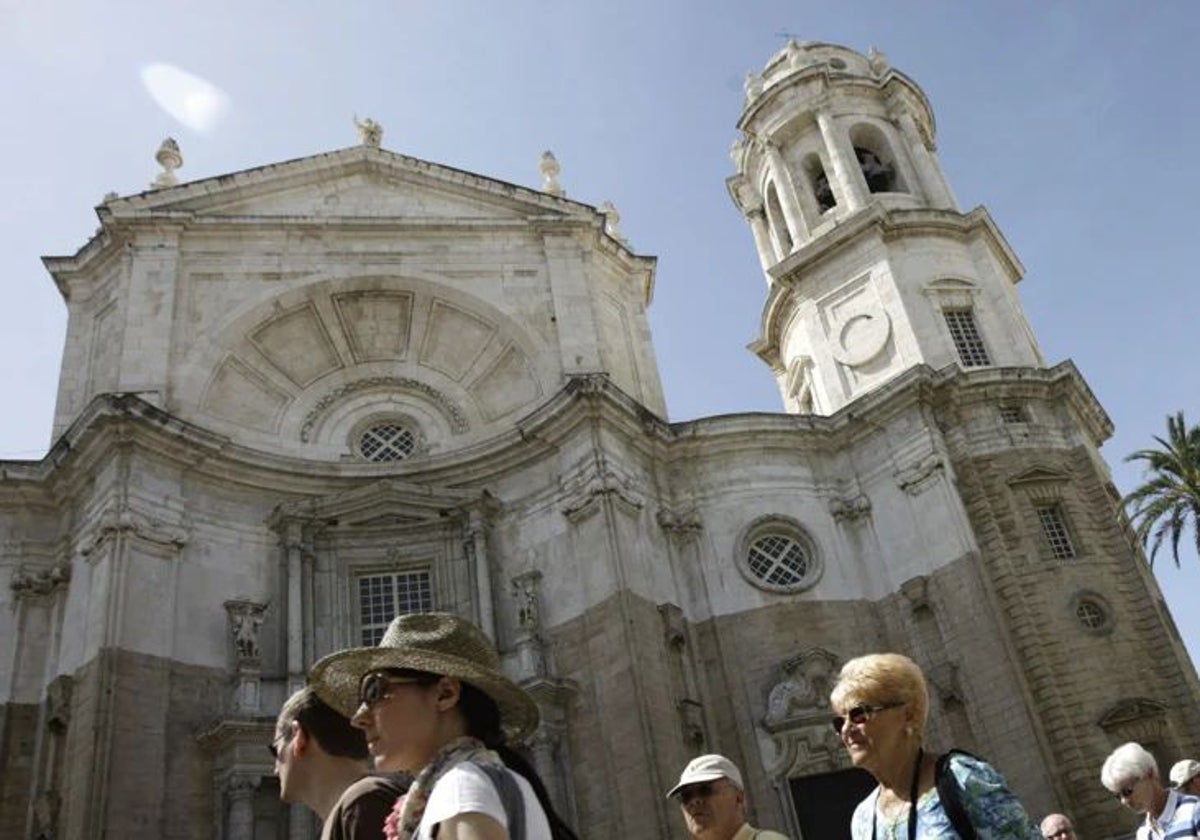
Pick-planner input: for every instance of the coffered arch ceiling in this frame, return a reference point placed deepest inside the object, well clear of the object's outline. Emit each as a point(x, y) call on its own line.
point(295, 372)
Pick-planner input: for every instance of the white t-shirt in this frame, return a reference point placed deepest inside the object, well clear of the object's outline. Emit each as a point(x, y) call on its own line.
point(465, 789)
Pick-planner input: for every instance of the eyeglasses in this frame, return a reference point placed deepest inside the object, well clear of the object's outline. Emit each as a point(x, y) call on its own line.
point(277, 744)
point(376, 688)
point(860, 715)
point(700, 790)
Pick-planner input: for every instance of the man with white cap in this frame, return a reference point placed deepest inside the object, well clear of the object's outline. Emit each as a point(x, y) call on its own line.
point(713, 800)
point(1185, 777)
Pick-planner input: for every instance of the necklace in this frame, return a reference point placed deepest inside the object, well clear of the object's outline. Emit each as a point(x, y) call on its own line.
point(912, 800)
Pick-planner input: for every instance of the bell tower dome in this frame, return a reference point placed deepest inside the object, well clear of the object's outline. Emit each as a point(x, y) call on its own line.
point(871, 267)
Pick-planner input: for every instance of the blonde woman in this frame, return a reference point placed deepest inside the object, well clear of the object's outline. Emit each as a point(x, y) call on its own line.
point(880, 706)
point(433, 702)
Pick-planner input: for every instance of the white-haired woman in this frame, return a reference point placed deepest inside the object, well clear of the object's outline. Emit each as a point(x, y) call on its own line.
point(434, 703)
point(1131, 774)
point(880, 706)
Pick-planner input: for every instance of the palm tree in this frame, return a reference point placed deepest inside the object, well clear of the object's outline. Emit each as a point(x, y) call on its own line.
point(1169, 502)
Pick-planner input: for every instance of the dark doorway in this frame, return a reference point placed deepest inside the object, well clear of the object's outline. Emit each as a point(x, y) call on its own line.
point(825, 802)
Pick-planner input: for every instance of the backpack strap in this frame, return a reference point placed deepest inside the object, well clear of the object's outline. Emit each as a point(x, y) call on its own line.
point(510, 797)
point(950, 795)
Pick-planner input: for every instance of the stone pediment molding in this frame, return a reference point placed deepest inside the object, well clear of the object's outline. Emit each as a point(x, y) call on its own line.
point(389, 501)
point(797, 717)
point(1139, 719)
point(1041, 484)
point(449, 409)
point(304, 187)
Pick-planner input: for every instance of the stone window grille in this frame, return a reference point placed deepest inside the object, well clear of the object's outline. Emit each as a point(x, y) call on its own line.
point(1091, 615)
point(1012, 414)
point(383, 596)
point(1054, 528)
point(389, 441)
point(777, 556)
point(964, 332)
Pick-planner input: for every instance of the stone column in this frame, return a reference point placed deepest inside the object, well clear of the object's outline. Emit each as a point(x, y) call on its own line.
point(786, 188)
point(293, 549)
point(757, 218)
point(848, 185)
point(239, 790)
point(481, 568)
point(937, 191)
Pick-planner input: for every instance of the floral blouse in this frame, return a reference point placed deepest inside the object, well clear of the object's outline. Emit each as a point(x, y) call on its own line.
point(994, 810)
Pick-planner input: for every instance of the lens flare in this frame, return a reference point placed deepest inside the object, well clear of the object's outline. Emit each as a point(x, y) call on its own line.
point(195, 102)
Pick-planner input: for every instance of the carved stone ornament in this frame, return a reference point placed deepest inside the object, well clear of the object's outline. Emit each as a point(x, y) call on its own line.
point(797, 718)
point(803, 689)
point(58, 703)
point(370, 133)
point(1138, 719)
point(131, 521)
point(527, 590)
point(612, 222)
point(850, 508)
point(169, 158)
point(453, 414)
point(245, 620)
point(587, 486)
point(28, 583)
point(550, 169)
point(919, 477)
point(679, 523)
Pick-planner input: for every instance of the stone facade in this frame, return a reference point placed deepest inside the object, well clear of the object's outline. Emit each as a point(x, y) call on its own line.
point(298, 398)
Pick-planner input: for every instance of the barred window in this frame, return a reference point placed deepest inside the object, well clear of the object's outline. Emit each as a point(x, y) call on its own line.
point(387, 442)
point(1054, 528)
point(1013, 414)
point(965, 334)
point(778, 560)
point(1091, 615)
point(382, 597)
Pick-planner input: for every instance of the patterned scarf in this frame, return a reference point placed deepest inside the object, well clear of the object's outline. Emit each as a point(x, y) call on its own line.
point(406, 814)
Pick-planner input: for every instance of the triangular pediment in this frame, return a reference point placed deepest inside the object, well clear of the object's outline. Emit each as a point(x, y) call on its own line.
point(1036, 475)
point(389, 502)
point(354, 183)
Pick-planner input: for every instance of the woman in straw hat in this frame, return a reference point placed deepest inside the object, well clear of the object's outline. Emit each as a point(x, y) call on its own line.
point(434, 703)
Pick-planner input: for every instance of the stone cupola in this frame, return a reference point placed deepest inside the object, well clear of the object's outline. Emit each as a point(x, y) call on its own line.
point(871, 267)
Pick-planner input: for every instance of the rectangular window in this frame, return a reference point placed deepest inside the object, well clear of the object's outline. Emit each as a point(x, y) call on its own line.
point(1013, 414)
point(382, 597)
point(1054, 527)
point(965, 334)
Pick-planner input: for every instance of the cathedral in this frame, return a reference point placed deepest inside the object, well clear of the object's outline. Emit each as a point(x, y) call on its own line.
point(300, 399)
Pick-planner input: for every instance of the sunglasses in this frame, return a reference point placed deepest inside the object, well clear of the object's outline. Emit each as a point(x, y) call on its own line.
point(860, 715)
point(376, 688)
point(1125, 792)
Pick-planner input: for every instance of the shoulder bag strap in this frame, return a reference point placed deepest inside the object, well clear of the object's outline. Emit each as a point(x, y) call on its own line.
point(950, 795)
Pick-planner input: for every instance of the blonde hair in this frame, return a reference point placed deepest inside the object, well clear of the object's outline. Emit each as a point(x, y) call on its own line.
point(883, 678)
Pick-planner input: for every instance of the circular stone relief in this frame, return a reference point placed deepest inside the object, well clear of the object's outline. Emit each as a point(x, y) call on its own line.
point(862, 337)
point(387, 441)
point(777, 556)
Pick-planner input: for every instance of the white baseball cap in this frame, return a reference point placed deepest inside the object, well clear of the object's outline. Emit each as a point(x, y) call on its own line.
point(1183, 771)
point(708, 768)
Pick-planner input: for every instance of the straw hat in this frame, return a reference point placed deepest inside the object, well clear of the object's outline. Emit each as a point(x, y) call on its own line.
point(438, 643)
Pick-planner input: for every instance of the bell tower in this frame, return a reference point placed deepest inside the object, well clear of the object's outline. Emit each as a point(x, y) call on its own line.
point(871, 267)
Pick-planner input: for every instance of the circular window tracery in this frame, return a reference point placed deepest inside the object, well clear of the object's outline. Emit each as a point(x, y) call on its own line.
point(389, 441)
point(778, 556)
point(1091, 615)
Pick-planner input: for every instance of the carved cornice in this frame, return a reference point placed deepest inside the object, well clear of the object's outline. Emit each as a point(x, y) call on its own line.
point(587, 487)
point(916, 478)
point(448, 408)
point(847, 509)
point(131, 521)
point(681, 524)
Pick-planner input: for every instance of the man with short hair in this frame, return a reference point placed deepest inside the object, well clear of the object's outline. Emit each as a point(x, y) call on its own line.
point(1185, 777)
point(713, 800)
point(1132, 774)
point(321, 762)
point(1058, 827)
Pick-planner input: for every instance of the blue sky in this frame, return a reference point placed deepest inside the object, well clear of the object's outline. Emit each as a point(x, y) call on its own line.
point(1074, 123)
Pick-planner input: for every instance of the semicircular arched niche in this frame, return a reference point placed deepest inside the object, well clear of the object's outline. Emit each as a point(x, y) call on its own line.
point(298, 368)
